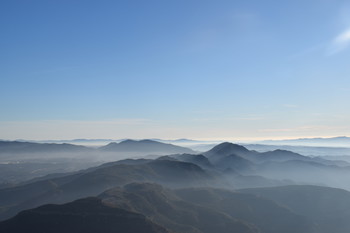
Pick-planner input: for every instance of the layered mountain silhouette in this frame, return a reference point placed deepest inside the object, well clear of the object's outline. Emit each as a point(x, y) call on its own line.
point(94, 181)
point(150, 206)
point(188, 192)
point(21, 161)
point(143, 146)
point(14, 147)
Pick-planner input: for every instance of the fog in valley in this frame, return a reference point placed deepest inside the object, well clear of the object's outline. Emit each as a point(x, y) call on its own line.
point(229, 187)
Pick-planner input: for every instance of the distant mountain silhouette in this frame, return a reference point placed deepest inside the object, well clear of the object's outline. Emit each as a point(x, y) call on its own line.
point(281, 155)
point(87, 215)
point(31, 147)
point(231, 157)
point(227, 148)
point(342, 141)
point(144, 146)
point(226, 166)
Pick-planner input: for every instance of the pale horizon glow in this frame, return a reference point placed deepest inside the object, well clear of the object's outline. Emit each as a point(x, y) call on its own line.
point(128, 128)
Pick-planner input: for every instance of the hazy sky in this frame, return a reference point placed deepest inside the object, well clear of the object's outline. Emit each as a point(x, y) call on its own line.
point(243, 69)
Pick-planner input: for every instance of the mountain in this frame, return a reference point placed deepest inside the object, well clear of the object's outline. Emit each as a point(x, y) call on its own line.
point(87, 215)
point(266, 215)
point(304, 150)
point(129, 208)
point(230, 157)
point(329, 208)
point(226, 165)
point(22, 161)
point(197, 159)
point(145, 147)
point(31, 147)
point(276, 167)
point(227, 148)
point(306, 172)
point(95, 180)
point(167, 209)
point(280, 155)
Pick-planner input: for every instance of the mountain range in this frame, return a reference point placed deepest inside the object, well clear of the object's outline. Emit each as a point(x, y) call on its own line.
point(142, 146)
point(226, 189)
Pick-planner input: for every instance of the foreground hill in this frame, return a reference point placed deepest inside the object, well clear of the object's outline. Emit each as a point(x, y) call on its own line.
point(287, 209)
point(207, 210)
point(96, 180)
point(329, 208)
point(87, 215)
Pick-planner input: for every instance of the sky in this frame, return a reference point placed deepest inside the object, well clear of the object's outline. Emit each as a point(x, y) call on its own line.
point(227, 70)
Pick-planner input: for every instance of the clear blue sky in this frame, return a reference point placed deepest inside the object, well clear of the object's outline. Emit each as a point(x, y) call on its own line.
point(200, 69)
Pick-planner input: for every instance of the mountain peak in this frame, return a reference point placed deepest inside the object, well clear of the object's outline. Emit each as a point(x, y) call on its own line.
point(227, 148)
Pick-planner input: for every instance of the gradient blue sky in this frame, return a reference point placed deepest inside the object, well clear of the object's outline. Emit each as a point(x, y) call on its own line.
point(234, 70)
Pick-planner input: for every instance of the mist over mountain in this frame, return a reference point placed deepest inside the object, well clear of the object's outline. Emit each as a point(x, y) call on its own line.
point(95, 180)
point(21, 161)
point(326, 207)
point(304, 150)
point(144, 146)
point(175, 116)
point(342, 141)
point(220, 190)
point(14, 147)
point(196, 210)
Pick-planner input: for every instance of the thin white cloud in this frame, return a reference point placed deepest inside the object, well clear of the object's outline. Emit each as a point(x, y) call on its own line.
point(340, 43)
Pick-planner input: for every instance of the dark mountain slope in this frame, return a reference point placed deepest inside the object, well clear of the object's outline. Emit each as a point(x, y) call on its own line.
point(199, 160)
point(82, 216)
point(329, 208)
point(95, 181)
point(266, 215)
point(166, 209)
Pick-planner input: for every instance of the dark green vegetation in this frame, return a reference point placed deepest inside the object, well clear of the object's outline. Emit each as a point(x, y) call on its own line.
point(194, 193)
